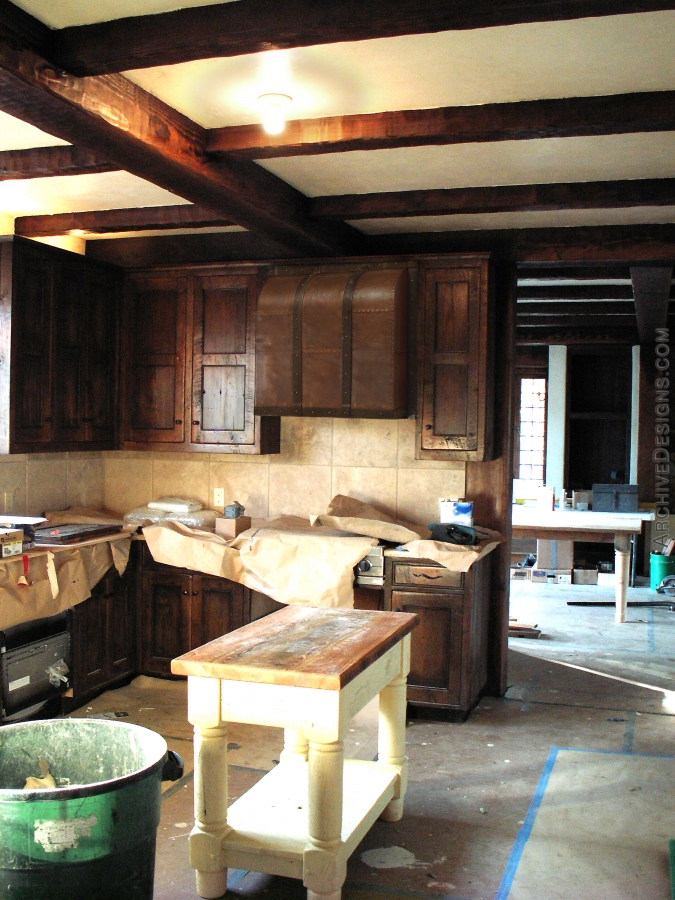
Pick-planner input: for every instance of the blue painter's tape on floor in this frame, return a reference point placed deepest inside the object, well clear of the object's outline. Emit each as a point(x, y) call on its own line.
point(526, 828)
point(235, 878)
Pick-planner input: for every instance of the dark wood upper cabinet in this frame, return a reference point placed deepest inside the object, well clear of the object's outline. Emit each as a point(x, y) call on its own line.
point(223, 361)
point(454, 416)
point(58, 359)
point(155, 353)
point(189, 363)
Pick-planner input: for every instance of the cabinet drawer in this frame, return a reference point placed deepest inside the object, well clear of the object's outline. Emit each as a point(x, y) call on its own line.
point(427, 577)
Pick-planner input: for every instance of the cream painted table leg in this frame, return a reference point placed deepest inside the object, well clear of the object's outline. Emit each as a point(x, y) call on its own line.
point(324, 870)
point(210, 749)
point(391, 733)
point(296, 746)
point(622, 573)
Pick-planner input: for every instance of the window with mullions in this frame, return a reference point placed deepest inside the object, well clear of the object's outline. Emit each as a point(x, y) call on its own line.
point(532, 443)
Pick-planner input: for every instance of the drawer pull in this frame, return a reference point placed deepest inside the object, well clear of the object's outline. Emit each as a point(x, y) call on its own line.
point(424, 575)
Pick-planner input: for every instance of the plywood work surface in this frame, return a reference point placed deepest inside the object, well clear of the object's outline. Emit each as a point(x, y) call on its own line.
point(299, 646)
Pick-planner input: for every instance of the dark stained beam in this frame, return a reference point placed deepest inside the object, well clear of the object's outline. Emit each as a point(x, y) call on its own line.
point(104, 221)
point(251, 26)
point(525, 120)
point(616, 247)
point(44, 162)
point(651, 286)
point(18, 24)
point(524, 310)
point(558, 271)
point(599, 321)
point(575, 335)
point(579, 292)
point(632, 244)
point(507, 198)
point(110, 115)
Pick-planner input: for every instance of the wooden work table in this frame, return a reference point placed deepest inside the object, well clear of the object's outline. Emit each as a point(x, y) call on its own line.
point(578, 525)
point(309, 671)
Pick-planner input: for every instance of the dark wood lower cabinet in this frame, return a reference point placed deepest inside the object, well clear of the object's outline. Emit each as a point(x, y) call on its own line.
point(103, 637)
point(448, 666)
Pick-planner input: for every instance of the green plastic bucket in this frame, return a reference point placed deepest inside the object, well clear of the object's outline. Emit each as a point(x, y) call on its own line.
point(93, 836)
point(659, 567)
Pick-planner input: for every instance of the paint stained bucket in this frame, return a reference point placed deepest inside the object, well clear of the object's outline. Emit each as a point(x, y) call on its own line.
point(659, 567)
point(93, 836)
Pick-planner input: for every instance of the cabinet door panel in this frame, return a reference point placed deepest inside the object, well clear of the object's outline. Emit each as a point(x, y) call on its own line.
point(88, 661)
point(31, 350)
point(454, 397)
point(436, 647)
point(155, 360)
point(104, 292)
point(70, 324)
point(223, 382)
point(218, 611)
point(166, 620)
point(121, 626)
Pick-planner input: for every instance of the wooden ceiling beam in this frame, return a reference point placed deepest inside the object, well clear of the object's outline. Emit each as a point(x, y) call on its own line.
point(583, 321)
point(524, 310)
point(652, 288)
point(524, 120)
point(47, 162)
point(251, 26)
point(504, 198)
point(114, 117)
point(575, 335)
point(579, 292)
point(106, 221)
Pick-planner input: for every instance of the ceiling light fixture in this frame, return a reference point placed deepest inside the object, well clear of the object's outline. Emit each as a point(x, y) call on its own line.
point(274, 107)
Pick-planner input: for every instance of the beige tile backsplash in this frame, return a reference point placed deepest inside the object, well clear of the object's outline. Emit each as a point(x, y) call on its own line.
point(372, 460)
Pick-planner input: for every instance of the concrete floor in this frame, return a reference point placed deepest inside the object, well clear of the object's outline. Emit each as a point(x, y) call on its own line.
point(493, 810)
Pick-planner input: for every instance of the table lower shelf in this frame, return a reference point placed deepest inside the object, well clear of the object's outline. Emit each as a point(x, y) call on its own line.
point(270, 821)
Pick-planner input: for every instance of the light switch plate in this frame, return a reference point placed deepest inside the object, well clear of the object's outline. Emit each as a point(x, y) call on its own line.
point(219, 496)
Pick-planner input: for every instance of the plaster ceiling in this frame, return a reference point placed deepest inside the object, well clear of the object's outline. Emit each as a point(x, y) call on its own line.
point(583, 57)
point(642, 155)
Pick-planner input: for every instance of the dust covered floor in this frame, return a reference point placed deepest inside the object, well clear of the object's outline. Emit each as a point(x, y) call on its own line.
point(494, 809)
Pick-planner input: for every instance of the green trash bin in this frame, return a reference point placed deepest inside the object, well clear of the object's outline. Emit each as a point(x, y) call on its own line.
point(93, 836)
point(659, 567)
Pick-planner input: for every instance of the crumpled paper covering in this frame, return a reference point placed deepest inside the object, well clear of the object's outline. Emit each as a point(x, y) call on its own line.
point(288, 560)
point(348, 514)
point(456, 557)
point(81, 515)
point(57, 580)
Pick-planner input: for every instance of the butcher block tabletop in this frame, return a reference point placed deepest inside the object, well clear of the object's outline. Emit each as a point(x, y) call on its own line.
point(300, 646)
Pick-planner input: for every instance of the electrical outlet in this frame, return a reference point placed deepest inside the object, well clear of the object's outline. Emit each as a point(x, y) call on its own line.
point(219, 496)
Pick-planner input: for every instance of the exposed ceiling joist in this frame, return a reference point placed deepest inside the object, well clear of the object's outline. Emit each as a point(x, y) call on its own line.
point(576, 309)
point(504, 198)
point(106, 221)
point(576, 271)
point(250, 26)
point(576, 335)
point(525, 120)
point(579, 292)
point(587, 321)
point(651, 287)
point(44, 162)
point(112, 116)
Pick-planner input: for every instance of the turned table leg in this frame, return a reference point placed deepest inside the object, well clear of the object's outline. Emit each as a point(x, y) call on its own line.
point(210, 755)
point(391, 741)
point(622, 574)
point(324, 874)
point(296, 746)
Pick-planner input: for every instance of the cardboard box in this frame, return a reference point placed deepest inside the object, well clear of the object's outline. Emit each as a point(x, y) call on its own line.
point(608, 579)
point(555, 555)
point(551, 576)
point(520, 574)
point(11, 542)
point(230, 528)
point(585, 576)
